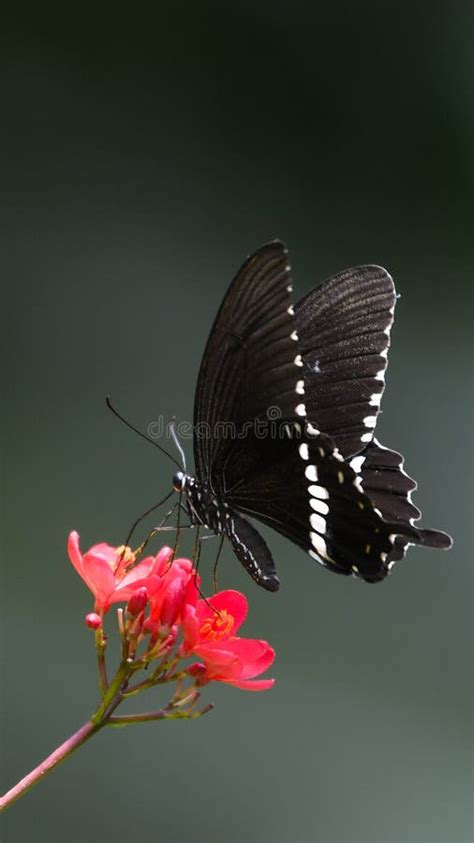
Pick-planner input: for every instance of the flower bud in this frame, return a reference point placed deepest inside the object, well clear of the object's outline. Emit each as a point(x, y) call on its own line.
point(172, 603)
point(137, 601)
point(93, 620)
point(163, 560)
point(196, 669)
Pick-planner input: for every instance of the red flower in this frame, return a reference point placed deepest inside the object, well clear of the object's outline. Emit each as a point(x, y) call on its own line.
point(167, 601)
point(209, 629)
point(111, 573)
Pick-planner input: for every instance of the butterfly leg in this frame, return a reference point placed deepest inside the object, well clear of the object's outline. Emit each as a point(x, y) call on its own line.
point(144, 515)
point(216, 563)
point(161, 528)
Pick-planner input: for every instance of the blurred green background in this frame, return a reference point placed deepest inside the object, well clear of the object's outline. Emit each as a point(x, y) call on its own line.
point(145, 152)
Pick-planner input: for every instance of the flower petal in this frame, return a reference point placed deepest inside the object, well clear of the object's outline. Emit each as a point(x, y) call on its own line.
point(94, 569)
point(144, 569)
point(189, 627)
point(251, 656)
point(230, 601)
point(162, 560)
point(74, 552)
point(251, 684)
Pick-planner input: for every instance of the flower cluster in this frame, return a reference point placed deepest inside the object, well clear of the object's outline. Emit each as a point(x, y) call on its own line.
point(167, 630)
point(166, 620)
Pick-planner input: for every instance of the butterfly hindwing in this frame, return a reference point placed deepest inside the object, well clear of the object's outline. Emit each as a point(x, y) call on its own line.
point(389, 487)
point(299, 485)
point(344, 334)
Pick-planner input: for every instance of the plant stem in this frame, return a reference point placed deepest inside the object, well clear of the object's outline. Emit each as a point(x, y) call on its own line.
point(101, 644)
point(112, 698)
point(67, 748)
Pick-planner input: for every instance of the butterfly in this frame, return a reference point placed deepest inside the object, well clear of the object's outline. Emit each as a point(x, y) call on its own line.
point(286, 405)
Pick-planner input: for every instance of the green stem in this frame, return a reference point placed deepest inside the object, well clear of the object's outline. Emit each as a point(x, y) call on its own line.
point(101, 645)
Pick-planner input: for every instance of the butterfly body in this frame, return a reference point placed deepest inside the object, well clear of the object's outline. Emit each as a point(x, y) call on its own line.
point(206, 510)
point(285, 412)
point(203, 507)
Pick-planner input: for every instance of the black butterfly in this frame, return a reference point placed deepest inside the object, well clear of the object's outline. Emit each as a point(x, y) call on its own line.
point(285, 409)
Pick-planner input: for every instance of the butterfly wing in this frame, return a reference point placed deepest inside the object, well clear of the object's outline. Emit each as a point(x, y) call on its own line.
point(344, 335)
point(389, 487)
point(251, 360)
point(299, 485)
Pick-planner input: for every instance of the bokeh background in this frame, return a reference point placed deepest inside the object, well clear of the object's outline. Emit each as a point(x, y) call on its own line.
point(145, 152)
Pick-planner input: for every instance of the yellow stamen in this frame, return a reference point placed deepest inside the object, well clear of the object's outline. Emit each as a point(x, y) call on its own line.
point(217, 627)
point(125, 554)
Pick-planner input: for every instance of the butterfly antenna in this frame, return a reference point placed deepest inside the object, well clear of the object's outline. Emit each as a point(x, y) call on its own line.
point(176, 441)
point(139, 432)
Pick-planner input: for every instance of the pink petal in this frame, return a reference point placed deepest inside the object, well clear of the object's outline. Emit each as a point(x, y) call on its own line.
point(104, 551)
point(172, 602)
point(251, 684)
point(123, 593)
point(94, 570)
point(190, 628)
point(254, 655)
point(183, 565)
point(191, 595)
point(162, 560)
point(74, 553)
point(230, 601)
point(144, 569)
point(219, 660)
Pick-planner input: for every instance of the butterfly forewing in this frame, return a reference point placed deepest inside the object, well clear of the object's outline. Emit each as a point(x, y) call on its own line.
point(250, 367)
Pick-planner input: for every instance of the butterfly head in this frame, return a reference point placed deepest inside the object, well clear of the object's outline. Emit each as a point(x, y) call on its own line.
point(179, 481)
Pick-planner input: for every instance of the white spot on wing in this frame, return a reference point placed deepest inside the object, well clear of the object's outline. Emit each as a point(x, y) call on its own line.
point(318, 492)
point(304, 453)
point(291, 310)
point(317, 558)
point(311, 473)
point(318, 543)
point(319, 506)
point(366, 437)
point(300, 410)
point(311, 429)
point(318, 523)
point(375, 399)
point(298, 360)
point(294, 336)
point(300, 387)
point(370, 421)
point(356, 464)
point(358, 483)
